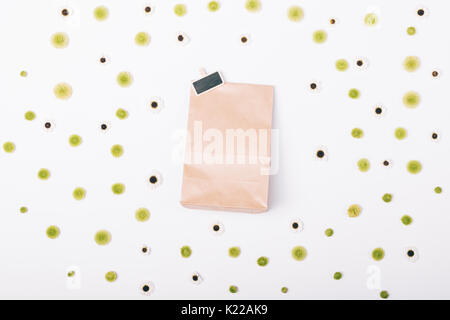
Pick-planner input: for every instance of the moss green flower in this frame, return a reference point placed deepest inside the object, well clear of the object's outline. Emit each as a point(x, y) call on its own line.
point(79, 193)
point(337, 275)
point(407, 220)
point(253, 5)
point(124, 79)
point(122, 114)
point(363, 165)
point(378, 254)
point(142, 214)
point(43, 174)
point(353, 93)
point(411, 99)
point(284, 290)
point(142, 39)
point(233, 289)
point(75, 140)
point(357, 133)
point(384, 294)
point(23, 73)
point(60, 40)
point(341, 65)
point(9, 147)
point(299, 253)
point(354, 211)
point(118, 188)
point(213, 6)
point(101, 13)
point(411, 63)
point(329, 232)
point(295, 13)
point(387, 197)
point(111, 276)
point(400, 133)
point(320, 36)
point(370, 19)
point(180, 9)
point(30, 115)
point(117, 150)
point(262, 261)
point(23, 209)
point(438, 190)
point(185, 251)
point(411, 31)
point(414, 166)
point(53, 232)
point(102, 237)
point(234, 252)
point(63, 91)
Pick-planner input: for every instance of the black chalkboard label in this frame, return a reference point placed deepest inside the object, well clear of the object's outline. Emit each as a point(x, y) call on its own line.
point(207, 83)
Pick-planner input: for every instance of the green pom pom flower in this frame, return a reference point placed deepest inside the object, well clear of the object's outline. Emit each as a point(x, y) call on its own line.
point(363, 165)
point(337, 276)
point(9, 147)
point(60, 40)
point(378, 254)
point(295, 13)
point(53, 232)
point(407, 220)
point(118, 188)
point(213, 6)
point(400, 133)
point(387, 197)
point(124, 79)
point(411, 31)
point(354, 211)
point(142, 214)
point(329, 232)
point(411, 99)
point(320, 36)
point(341, 65)
point(357, 133)
point(438, 190)
point(233, 289)
point(30, 115)
point(185, 251)
point(63, 91)
point(180, 9)
point(101, 13)
point(414, 167)
point(384, 294)
point(262, 261)
point(79, 193)
point(102, 237)
point(117, 150)
point(142, 39)
point(411, 63)
point(111, 276)
point(43, 174)
point(234, 252)
point(75, 140)
point(371, 19)
point(299, 253)
point(253, 5)
point(353, 93)
point(122, 114)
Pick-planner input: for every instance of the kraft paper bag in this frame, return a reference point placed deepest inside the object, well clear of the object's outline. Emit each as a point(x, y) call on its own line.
point(227, 158)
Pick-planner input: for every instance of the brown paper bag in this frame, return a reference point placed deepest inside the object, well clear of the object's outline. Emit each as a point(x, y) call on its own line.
point(227, 159)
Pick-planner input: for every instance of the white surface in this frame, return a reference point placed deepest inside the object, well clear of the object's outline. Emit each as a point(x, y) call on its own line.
point(281, 53)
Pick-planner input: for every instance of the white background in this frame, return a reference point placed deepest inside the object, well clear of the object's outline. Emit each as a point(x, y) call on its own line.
point(281, 53)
